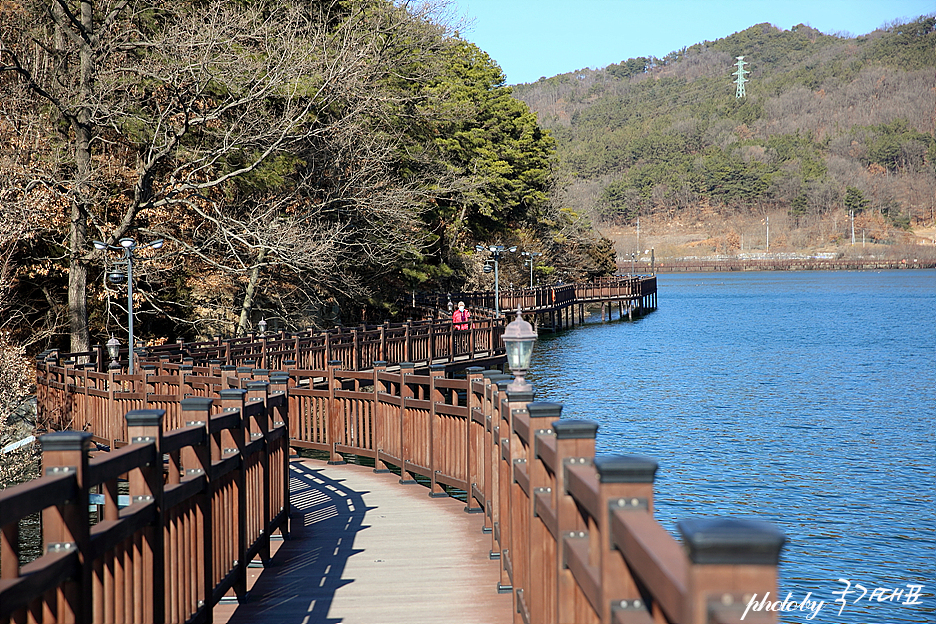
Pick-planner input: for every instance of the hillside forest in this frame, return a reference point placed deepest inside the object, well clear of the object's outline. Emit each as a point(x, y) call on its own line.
point(305, 163)
point(830, 127)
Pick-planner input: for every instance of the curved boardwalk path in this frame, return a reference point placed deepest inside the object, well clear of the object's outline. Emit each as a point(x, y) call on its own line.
point(365, 549)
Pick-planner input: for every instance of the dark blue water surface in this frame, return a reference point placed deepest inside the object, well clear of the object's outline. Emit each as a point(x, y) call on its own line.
point(805, 399)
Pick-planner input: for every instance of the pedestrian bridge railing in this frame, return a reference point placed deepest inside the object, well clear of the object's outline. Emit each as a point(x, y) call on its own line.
point(573, 534)
point(639, 289)
point(205, 498)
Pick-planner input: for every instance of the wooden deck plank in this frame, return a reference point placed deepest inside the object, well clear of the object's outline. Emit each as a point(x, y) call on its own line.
point(366, 549)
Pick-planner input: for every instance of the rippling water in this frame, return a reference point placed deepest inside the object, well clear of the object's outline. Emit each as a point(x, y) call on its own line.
point(806, 399)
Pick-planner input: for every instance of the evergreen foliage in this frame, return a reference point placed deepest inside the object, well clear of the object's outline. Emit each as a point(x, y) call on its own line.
point(822, 112)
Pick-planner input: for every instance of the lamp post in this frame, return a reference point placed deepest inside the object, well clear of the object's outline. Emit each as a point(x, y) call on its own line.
point(127, 246)
point(519, 338)
point(633, 259)
point(530, 259)
point(496, 251)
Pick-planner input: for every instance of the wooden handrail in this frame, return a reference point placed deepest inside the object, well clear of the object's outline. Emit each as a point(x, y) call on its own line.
point(140, 563)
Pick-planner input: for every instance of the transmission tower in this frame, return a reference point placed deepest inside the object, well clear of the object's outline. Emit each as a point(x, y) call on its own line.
point(740, 76)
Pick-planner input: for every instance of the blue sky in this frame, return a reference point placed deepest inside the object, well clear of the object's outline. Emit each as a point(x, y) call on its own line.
point(534, 38)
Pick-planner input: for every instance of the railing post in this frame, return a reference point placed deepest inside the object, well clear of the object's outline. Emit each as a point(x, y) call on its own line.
point(335, 415)
point(541, 547)
point(407, 346)
point(232, 399)
point(229, 377)
point(196, 462)
point(432, 349)
point(474, 444)
point(259, 391)
point(436, 442)
point(355, 350)
point(734, 568)
point(575, 445)
point(380, 434)
point(382, 356)
point(65, 526)
point(406, 442)
point(492, 451)
point(146, 487)
point(625, 484)
point(451, 341)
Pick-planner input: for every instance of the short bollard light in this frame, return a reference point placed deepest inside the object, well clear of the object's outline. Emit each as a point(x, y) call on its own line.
point(262, 325)
point(519, 337)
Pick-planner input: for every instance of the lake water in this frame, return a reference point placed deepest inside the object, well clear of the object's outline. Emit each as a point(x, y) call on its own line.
point(805, 399)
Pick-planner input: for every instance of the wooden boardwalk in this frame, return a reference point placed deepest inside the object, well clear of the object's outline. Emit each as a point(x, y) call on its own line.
point(366, 549)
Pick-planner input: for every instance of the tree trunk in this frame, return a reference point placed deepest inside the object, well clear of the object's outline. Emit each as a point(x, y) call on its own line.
point(249, 294)
point(78, 269)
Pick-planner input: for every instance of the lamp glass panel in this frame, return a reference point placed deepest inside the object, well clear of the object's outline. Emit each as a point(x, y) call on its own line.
point(519, 353)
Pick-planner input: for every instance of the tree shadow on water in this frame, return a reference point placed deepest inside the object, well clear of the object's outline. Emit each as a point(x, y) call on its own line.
point(302, 578)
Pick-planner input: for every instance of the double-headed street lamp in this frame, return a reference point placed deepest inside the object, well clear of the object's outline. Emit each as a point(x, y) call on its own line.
point(127, 246)
point(530, 260)
point(496, 251)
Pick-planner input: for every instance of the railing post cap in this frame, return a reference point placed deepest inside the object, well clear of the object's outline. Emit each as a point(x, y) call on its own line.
point(148, 367)
point(544, 409)
point(571, 428)
point(334, 362)
point(437, 367)
point(261, 371)
point(380, 363)
point(214, 362)
point(625, 468)
point(522, 396)
point(474, 370)
point(193, 404)
point(185, 367)
point(65, 441)
point(228, 367)
point(145, 417)
point(245, 369)
point(257, 385)
point(731, 541)
point(407, 365)
point(232, 394)
point(491, 372)
point(289, 362)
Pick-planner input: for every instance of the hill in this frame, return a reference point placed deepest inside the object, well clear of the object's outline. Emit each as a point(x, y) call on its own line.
point(831, 130)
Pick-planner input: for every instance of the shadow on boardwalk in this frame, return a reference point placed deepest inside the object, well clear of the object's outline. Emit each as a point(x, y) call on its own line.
point(366, 549)
point(308, 568)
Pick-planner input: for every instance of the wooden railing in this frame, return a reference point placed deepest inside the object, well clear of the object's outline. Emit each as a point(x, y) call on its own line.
point(204, 500)
point(357, 348)
point(574, 534)
point(637, 288)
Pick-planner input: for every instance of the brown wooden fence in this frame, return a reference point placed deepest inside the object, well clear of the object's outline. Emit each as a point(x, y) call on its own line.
point(640, 289)
point(204, 498)
point(573, 534)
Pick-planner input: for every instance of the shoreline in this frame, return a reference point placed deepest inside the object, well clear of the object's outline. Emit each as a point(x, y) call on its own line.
point(774, 264)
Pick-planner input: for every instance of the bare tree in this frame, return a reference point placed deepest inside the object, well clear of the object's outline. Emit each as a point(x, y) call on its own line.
point(192, 112)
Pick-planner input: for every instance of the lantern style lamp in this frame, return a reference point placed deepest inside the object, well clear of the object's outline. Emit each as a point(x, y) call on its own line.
point(262, 325)
point(113, 350)
point(519, 338)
